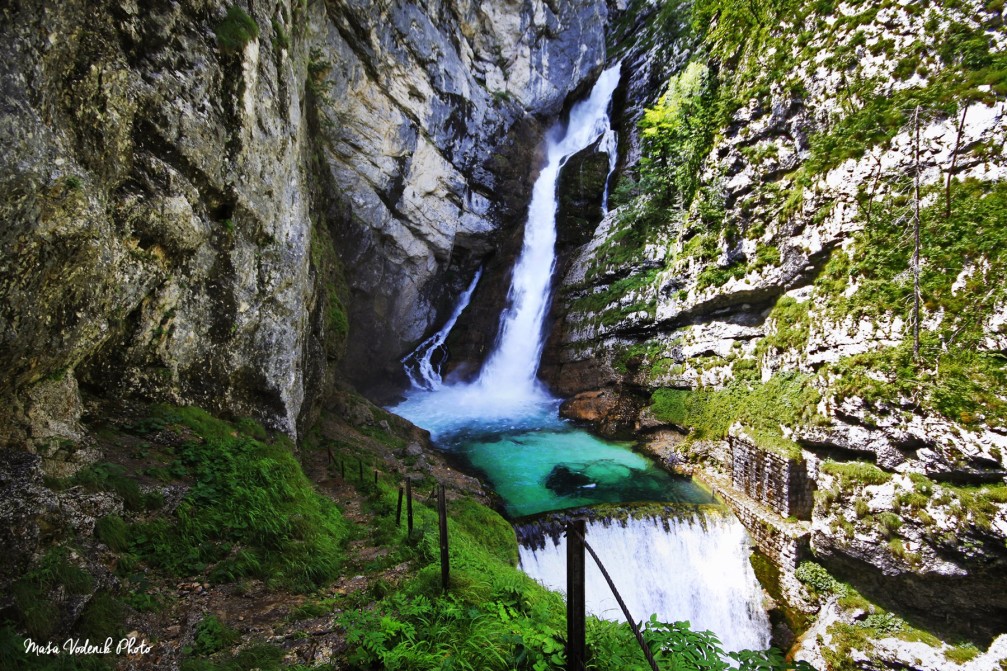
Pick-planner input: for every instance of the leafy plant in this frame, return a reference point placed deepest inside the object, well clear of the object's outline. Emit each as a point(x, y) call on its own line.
point(236, 30)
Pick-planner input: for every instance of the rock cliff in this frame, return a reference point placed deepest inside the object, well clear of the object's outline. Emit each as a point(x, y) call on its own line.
point(796, 293)
point(215, 204)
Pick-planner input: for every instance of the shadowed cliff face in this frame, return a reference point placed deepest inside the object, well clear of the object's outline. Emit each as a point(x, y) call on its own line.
point(209, 210)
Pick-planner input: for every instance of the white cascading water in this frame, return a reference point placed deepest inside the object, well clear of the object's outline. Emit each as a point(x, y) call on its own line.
point(507, 390)
point(610, 145)
point(697, 571)
point(423, 372)
point(513, 367)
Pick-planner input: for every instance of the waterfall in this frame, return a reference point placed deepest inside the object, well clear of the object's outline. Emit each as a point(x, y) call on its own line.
point(505, 425)
point(507, 394)
point(419, 365)
point(696, 569)
point(511, 369)
point(610, 145)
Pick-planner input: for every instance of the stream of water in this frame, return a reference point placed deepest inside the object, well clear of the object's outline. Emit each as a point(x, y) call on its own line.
point(505, 426)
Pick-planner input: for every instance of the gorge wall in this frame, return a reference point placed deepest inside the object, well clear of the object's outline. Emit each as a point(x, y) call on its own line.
point(748, 309)
point(214, 204)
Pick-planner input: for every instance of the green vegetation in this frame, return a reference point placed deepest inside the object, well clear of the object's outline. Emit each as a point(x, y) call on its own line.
point(36, 609)
point(113, 532)
point(677, 134)
point(251, 511)
point(236, 30)
point(787, 399)
point(954, 378)
point(792, 327)
point(818, 579)
point(263, 657)
point(962, 653)
point(211, 636)
point(599, 303)
point(280, 35)
point(494, 616)
point(112, 478)
point(854, 473)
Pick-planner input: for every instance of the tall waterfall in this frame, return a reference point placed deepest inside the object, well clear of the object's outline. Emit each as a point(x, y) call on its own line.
point(696, 570)
point(512, 368)
point(507, 390)
point(423, 371)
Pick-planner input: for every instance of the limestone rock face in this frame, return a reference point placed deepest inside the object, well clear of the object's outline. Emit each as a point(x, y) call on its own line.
point(423, 109)
point(197, 221)
point(741, 286)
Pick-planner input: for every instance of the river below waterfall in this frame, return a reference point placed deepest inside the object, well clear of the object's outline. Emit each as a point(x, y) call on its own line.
point(504, 426)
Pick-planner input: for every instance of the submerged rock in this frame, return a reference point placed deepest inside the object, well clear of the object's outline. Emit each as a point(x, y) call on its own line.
point(565, 481)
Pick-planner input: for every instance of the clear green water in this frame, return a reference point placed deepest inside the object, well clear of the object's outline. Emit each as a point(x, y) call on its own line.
point(536, 462)
point(540, 470)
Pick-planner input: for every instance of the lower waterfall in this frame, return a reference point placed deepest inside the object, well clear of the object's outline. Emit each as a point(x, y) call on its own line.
point(693, 568)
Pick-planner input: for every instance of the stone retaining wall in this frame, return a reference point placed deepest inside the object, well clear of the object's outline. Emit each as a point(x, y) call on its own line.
point(772, 479)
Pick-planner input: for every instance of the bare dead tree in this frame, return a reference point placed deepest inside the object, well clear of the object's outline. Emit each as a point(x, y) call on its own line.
point(954, 161)
point(916, 236)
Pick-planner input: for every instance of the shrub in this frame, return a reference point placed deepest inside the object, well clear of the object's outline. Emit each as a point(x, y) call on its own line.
point(818, 579)
point(211, 636)
point(236, 30)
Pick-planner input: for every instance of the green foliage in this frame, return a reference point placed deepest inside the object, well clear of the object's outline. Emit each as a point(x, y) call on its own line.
point(787, 399)
point(236, 30)
point(677, 134)
point(958, 380)
point(337, 319)
point(102, 617)
point(962, 653)
point(36, 611)
point(792, 322)
point(280, 34)
point(251, 512)
point(494, 617)
point(263, 657)
point(856, 473)
point(717, 276)
point(113, 532)
point(212, 636)
point(111, 478)
point(675, 647)
point(890, 522)
point(600, 302)
point(818, 579)
point(486, 528)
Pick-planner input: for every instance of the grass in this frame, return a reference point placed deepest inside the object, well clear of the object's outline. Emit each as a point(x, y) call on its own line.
point(113, 478)
point(36, 594)
point(787, 399)
point(853, 473)
point(250, 512)
point(961, 654)
point(791, 327)
point(113, 532)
